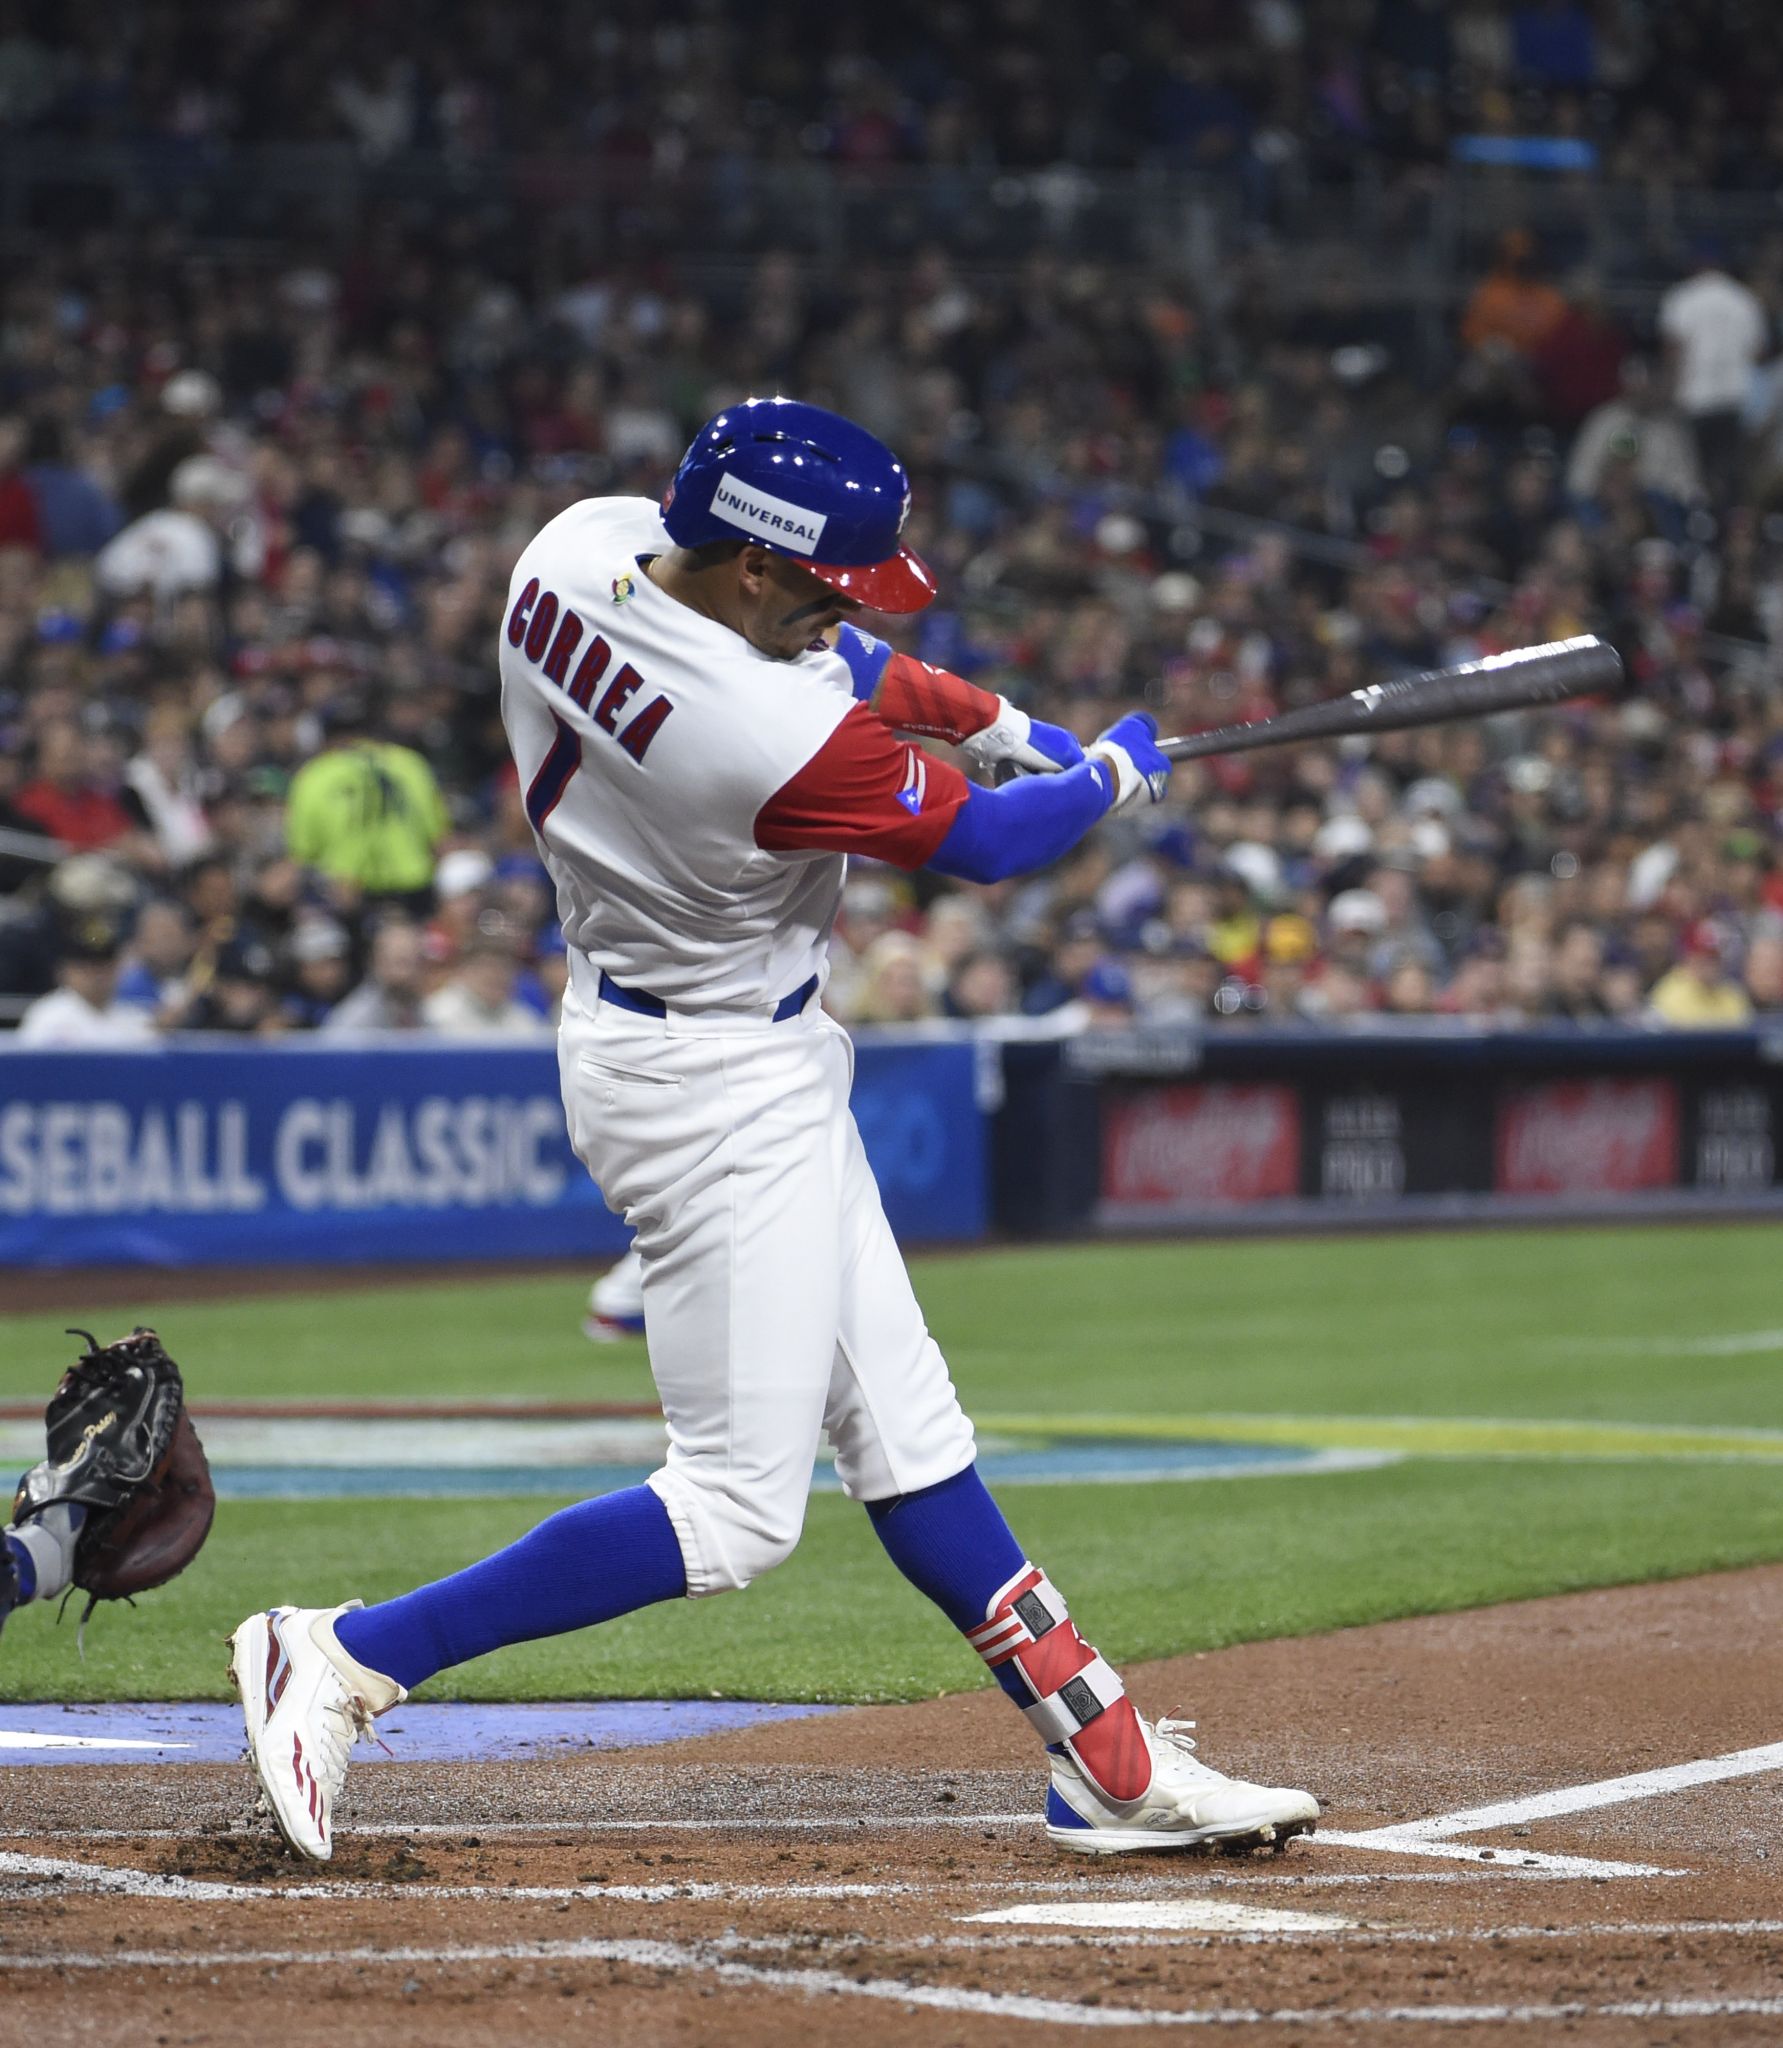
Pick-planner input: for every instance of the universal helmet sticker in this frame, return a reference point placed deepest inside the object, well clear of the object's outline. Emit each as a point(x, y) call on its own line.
point(768, 517)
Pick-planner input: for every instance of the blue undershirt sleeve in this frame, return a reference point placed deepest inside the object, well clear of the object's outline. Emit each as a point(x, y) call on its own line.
point(1026, 824)
point(865, 658)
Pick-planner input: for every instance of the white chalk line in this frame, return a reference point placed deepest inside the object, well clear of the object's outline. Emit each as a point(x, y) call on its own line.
point(717, 1960)
point(50, 1876)
point(464, 1828)
point(1434, 1836)
point(1504, 1813)
point(1395, 1842)
point(1182, 1915)
point(1401, 1837)
point(14, 1739)
point(60, 1876)
point(1727, 1344)
point(1364, 1935)
point(1430, 1837)
point(1169, 1922)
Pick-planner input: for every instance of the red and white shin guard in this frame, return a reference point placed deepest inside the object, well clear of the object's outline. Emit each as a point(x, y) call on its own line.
point(1078, 1698)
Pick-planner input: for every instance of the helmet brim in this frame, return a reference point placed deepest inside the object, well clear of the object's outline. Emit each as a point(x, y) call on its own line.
point(901, 583)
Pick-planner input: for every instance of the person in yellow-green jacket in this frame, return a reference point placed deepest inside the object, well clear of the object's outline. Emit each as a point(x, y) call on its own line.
point(365, 813)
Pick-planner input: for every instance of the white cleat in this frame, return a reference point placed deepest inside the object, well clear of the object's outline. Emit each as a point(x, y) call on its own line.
point(616, 1302)
point(1185, 1803)
point(304, 1702)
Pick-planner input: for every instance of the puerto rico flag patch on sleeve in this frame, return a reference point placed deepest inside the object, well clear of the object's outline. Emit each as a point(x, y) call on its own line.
point(916, 783)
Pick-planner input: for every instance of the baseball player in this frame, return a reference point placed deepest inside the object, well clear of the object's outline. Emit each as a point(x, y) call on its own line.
point(698, 763)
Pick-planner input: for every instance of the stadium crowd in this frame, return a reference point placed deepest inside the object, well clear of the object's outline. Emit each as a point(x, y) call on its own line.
point(1266, 91)
point(256, 522)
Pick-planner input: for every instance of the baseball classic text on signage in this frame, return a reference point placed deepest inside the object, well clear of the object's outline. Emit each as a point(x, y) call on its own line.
point(201, 1153)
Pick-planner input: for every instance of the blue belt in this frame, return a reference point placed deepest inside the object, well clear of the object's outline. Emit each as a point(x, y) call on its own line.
point(647, 1005)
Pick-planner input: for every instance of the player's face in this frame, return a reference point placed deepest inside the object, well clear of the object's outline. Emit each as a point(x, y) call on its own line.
point(785, 607)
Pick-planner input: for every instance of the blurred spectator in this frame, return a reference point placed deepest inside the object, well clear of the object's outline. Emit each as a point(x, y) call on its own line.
point(1407, 989)
point(1477, 989)
point(1354, 926)
point(20, 524)
point(76, 515)
point(190, 400)
point(391, 995)
point(167, 788)
point(890, 988)
point(83, 1013)
point(238, 995)
point(1764, 970)
point(1076, 951)
point(177, 549)
point(1716, 333)
point(160, 951)
point(479, 1000)
point(1290, 947)
point(1512, 306)
point(869, 909)
point(1699, 993)
point(981, 984)
point(366, 814)
point(462, 892)
point(68, 795)
point(321, 972)
point(1105, 999)
point(1575, 989)
point(1641, 432)
point(1578, 362)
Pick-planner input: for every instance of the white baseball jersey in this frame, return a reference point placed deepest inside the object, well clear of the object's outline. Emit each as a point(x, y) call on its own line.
point(693, 798)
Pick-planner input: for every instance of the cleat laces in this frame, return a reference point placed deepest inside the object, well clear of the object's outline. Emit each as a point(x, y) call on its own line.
point(343, 1723)
point(1173, 1746)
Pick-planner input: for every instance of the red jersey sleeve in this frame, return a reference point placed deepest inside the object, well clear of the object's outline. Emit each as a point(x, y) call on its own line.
point(915, 696)
point(864, 791)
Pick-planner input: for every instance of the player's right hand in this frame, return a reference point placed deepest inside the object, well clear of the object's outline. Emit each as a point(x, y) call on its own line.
point(1028, 746)
point(1130, 748)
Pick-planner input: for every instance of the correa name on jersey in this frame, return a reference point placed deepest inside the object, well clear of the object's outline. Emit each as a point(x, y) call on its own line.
point(535, 628)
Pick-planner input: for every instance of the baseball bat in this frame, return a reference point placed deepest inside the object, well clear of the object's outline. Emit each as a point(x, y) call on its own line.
point(1472, 689)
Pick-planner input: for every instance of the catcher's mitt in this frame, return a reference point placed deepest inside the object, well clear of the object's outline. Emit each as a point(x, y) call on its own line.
point(122, 1446)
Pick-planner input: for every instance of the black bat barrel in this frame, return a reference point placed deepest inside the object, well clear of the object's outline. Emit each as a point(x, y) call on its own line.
point(1475, 689)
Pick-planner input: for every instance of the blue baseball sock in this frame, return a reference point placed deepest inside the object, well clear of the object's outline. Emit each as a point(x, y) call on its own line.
point(585, 1564)
point(952, 1543)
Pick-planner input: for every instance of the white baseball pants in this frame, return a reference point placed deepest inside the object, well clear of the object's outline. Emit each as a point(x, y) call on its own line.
point(776, 1299)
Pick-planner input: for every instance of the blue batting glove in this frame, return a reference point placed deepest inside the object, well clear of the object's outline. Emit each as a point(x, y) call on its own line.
point(1130, 748)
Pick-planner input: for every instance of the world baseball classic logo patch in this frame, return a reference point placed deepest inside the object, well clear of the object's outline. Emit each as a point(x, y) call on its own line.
point(768, 517)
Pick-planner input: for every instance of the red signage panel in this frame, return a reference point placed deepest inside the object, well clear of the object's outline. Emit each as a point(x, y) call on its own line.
point(1200, 1146)
point(1587, 1138)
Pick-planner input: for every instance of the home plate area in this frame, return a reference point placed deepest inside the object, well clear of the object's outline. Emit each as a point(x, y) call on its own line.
point(1555, 1818)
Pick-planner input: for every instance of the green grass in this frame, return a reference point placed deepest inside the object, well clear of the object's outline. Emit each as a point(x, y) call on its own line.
point(1598, 1327)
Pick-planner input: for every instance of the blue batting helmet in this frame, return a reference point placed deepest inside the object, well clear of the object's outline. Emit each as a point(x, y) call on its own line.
point(808, 484)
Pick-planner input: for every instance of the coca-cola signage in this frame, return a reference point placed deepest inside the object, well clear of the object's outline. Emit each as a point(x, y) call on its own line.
point(1587, 1137)
point(1199, 1146)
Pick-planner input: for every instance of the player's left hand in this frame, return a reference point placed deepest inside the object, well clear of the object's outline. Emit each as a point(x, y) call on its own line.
point(1026, 744)
point(123, 1450)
